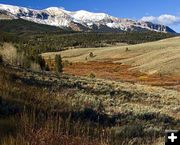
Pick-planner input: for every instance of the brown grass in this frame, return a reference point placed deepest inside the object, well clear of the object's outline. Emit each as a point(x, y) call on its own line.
point(26, 104)
point(119, 72)
point(30, 134)
point(31, 91)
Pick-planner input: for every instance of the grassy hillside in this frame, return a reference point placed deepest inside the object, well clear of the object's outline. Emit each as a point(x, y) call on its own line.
point(42, 108)
point(162, 57)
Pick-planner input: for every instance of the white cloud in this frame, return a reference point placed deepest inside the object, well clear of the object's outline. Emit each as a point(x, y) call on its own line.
point(163, 19)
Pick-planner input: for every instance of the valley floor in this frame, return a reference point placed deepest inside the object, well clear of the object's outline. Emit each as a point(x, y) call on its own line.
point(160, 57)
point(154, 63)
point(118, 95)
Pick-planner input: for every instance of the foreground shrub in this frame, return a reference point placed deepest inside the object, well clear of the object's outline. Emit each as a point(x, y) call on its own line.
point(1, 59)
point(129, 131)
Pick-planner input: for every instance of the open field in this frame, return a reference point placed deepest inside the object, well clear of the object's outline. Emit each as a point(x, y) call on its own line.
point(154, 63)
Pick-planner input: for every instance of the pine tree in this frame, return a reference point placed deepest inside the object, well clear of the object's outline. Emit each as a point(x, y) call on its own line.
point(58, 64)
point(41, 62)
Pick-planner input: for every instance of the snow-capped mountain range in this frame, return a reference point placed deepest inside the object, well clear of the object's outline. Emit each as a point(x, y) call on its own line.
point(79, 20)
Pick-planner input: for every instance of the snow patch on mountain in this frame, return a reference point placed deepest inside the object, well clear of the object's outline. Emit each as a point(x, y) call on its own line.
point(86, 16)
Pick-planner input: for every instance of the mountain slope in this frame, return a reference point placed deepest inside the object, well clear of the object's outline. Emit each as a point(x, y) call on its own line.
point(18, 26)
point(80, 20)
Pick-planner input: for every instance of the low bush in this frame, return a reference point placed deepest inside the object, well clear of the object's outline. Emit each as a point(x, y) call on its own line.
point(129, 131)
point(1, 59)
point(91, 54)
point(92, 75)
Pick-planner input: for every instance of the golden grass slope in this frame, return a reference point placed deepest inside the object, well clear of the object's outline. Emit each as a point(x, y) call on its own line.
point(162, 57)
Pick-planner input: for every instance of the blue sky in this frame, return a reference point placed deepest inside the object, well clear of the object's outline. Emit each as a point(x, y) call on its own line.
point(159, 11)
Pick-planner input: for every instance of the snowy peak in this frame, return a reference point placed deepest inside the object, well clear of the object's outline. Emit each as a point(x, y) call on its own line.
point(14, 9)
point(9, 8)
point(79, 20)
point(56, 11)
point(89, 16)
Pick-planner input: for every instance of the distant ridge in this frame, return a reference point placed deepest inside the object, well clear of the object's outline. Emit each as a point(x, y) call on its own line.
point(79, 20)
